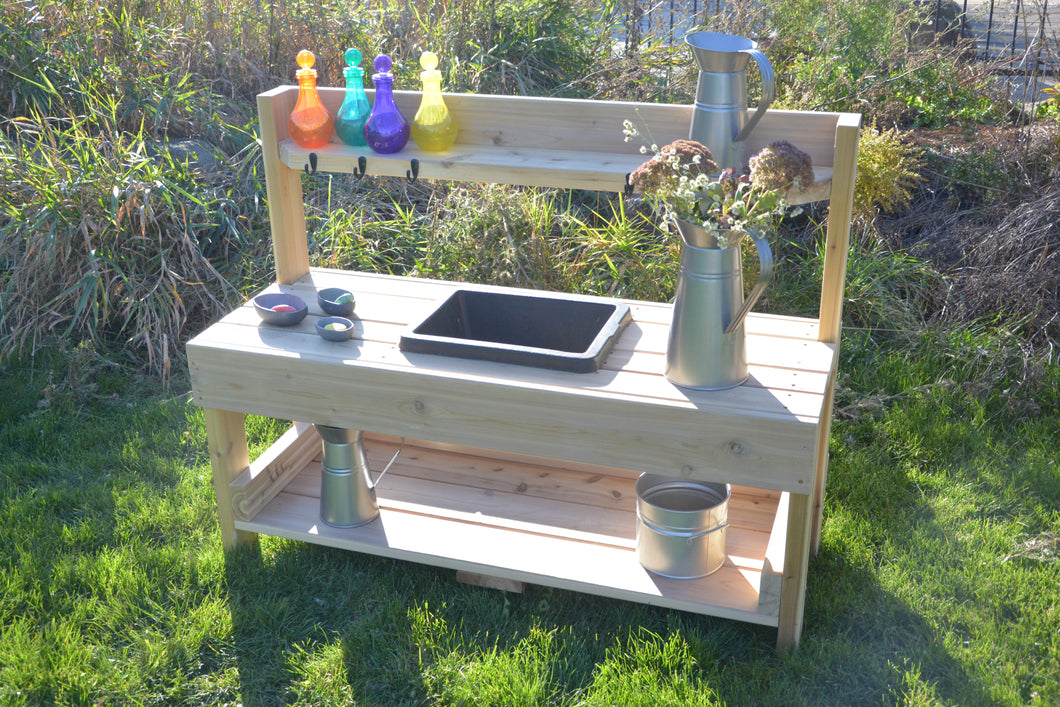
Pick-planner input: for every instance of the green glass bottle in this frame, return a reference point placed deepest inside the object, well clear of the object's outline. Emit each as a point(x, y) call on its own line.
point(355, 109)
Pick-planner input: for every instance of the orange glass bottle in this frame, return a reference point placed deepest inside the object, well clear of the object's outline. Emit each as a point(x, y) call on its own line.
point(310, 124)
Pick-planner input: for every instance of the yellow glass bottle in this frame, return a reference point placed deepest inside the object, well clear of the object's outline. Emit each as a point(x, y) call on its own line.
point(433, 128)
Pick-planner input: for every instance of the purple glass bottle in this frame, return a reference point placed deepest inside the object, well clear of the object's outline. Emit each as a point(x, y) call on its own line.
point(386, 131)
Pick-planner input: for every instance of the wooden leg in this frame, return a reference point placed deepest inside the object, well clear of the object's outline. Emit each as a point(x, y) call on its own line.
point(796, 561)
point(227, 438)
point(821, 476)
point(485, 580)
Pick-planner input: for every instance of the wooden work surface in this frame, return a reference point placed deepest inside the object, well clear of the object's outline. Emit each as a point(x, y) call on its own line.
point(627, 415)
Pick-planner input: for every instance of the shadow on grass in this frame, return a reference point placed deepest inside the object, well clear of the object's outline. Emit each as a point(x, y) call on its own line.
point(319, 625)
point(863, 644)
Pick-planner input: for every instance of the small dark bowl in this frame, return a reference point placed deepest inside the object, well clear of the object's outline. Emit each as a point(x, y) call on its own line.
point(263, 305)
point(334, 334)
point(326, 299)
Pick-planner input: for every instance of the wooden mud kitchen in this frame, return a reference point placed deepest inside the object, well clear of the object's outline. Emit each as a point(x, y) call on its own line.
point(515, 472)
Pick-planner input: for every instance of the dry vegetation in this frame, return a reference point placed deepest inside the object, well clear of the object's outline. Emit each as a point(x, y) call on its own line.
point(987, 215)
point(108, 235)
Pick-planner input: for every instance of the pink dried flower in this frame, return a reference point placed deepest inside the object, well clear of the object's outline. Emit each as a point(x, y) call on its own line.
point(780, 166)
point(665, 169)
point(682, 181)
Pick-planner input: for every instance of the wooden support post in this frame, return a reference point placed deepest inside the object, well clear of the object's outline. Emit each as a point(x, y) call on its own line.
point(283, 186)
point(227, 438)
point(796, 562)
point(772, 580)
point(837, 247)
point(490, 582)
point(837, 237)
point(824, 436)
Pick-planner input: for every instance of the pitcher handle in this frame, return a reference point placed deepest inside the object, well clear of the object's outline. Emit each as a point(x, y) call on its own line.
point(768, 91)
point(765, 274)
point(362, 461)
point(390, 463)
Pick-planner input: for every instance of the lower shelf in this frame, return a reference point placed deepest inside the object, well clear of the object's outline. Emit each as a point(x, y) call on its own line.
point(525, 519)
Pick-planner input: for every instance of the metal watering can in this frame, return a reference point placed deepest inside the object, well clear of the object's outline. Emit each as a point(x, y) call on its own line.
point(719, 119)
point(347, 493)
point(705, 350)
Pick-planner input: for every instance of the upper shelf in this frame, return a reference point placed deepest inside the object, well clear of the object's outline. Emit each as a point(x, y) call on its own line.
point(564, 143)
point(565, 169)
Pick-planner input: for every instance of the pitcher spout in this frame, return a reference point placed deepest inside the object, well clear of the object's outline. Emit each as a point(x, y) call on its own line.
point(719, 53)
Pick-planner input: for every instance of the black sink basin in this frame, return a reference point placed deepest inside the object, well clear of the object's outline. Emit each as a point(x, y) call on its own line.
point(558, 331)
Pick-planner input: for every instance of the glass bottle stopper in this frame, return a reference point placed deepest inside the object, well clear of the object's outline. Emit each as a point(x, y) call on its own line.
point(382, 65)
point(429, 63)
point(306, 59)
point(353, 58)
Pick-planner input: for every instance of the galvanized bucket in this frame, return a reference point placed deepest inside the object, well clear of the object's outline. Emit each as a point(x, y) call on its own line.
point(681, 525)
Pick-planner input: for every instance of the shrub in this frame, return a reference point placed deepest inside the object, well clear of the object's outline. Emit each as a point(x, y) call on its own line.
point(940, 89)
point(101, 242)
point(855, 55)
point(888, 171)
point(495, 234)
point(827, 55)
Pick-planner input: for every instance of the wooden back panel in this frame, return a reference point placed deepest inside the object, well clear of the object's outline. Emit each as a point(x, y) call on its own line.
point(519, 122)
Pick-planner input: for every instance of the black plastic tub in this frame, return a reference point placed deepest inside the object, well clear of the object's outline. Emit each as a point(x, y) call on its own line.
point(547, 330)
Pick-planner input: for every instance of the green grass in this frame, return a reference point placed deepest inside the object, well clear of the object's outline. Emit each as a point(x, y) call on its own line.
point(929, 587)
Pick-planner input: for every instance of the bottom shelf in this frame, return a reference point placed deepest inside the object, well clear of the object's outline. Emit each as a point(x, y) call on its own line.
point(525, 519)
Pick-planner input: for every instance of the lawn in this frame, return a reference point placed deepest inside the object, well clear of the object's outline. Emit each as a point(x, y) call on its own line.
point(936, 583)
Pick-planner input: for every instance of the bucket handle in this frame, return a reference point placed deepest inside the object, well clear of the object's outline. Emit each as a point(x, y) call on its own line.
point(765, 274)
point(719, 526)
point(768, 91)
point(664, 530)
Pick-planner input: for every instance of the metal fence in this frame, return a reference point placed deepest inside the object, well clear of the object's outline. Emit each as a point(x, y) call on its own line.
point(1011, 29)
point(1000, 30)
point(1016, 39)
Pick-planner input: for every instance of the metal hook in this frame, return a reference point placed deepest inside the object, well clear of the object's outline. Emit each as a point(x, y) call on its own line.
point(361, 168)
point(411, 175)
point(311, 168)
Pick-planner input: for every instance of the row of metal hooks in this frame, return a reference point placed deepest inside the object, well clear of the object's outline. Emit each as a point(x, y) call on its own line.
point(411, 174)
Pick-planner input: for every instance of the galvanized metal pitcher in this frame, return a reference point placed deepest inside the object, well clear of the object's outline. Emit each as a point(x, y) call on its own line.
point(347, 493)
point(706, 348)
point(720, 119)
